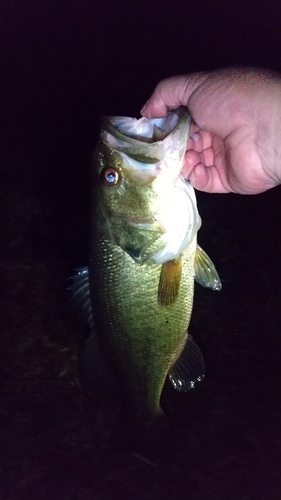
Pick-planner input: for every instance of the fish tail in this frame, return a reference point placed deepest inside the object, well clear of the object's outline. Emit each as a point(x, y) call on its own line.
point(148, 438)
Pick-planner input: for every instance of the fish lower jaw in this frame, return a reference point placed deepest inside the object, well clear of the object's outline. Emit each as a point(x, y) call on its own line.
point(143, 223)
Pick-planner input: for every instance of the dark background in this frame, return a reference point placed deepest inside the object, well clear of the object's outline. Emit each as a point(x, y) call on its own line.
point(64, 64)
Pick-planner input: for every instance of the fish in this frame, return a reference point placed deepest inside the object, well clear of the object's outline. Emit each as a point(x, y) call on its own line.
point(137, 290)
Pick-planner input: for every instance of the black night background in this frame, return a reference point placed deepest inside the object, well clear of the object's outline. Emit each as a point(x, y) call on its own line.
point(64, 64)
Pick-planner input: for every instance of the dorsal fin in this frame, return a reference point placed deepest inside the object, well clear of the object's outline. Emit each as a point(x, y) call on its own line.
point(81, 293)
point(169, 282)
point(95, 372)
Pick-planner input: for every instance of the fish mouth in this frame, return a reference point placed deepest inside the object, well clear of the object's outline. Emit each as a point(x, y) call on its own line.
point(148, 147)
point(147, 130)
point(146, 140)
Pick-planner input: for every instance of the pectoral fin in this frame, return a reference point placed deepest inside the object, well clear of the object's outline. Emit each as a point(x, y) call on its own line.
point(169, 282)
point(189, 369)
point(205, 271)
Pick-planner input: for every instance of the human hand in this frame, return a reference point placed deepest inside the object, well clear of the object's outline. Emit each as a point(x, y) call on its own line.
point(235, 142)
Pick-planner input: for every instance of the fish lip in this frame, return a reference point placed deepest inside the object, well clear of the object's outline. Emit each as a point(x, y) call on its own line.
point(141, 221)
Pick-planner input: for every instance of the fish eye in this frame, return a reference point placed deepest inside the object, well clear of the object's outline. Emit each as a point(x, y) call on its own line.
point(109, 176)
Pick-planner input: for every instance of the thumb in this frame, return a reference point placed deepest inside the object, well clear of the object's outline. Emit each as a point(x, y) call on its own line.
point(171, 93)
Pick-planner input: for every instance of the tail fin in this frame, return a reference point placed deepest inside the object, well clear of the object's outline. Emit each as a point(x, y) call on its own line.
point(150, 439)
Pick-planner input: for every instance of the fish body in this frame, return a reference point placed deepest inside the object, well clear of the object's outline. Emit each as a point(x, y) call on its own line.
point(143, 260)
point(141, 338)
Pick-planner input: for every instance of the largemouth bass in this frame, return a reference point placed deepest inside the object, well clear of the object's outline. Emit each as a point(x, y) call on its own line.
point(137, 291)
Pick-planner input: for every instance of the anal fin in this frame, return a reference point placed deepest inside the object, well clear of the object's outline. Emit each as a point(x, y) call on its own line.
point(169, 282)
point(189, 369)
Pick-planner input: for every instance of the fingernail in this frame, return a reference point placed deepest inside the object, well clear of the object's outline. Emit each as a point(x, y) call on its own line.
point(192, 176)
point(145, 106)
point(195, 137)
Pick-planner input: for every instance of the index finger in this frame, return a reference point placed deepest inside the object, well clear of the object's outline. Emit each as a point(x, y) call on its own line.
point(171, 93)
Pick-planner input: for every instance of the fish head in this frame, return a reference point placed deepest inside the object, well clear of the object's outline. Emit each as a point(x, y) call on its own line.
point(138, 188)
